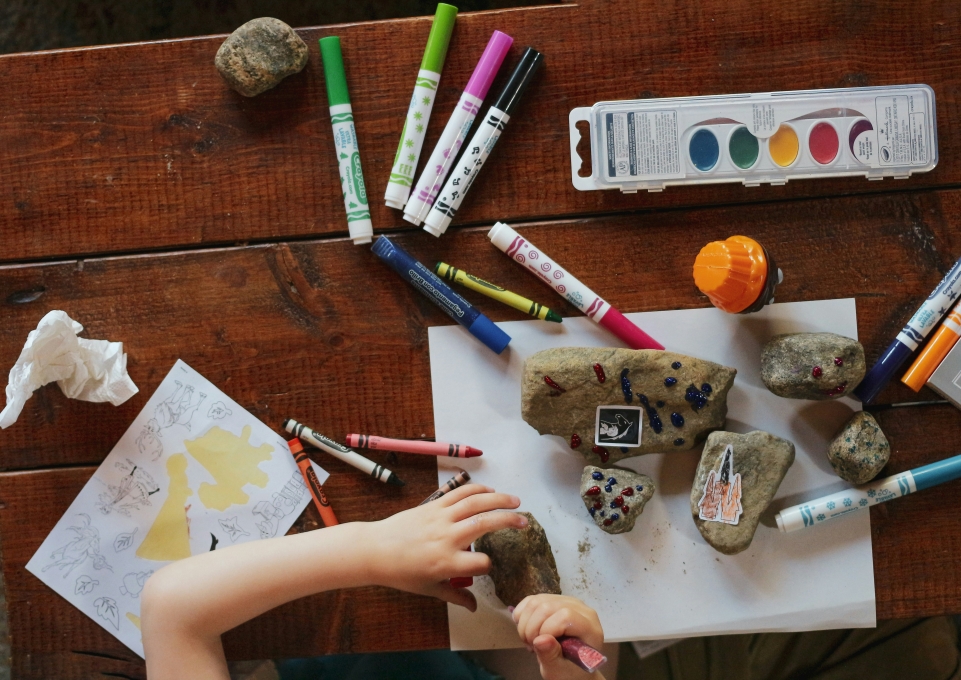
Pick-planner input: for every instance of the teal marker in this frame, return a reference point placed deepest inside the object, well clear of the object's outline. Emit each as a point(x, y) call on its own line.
point(421, 103)
point(345, 142)
point(813, 513)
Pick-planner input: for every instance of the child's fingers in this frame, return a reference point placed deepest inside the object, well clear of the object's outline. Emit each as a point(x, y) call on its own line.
point(566, 621)
point(549, 656)
point(471, 564)
point(459, 596)
point(460, 493)
point(532, 621)
point(469, 530)
point(483, 502)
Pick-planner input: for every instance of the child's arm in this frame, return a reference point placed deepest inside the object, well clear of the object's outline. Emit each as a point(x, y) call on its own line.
point(187, 605)
point(541, 619)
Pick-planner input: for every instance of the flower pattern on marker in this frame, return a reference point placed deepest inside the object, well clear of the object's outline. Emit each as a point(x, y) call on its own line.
point(872, 493)
point(408, 143)
point(821, 518)
point(419, 128)
point(418, 115)
point(863, 502)
point(425, 101)
point(830, 505)
point(411, 157)
point(847, 502)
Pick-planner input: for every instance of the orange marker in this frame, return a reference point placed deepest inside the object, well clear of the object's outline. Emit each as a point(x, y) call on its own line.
point(310, 477)
point(934, 352)
point(737, 275)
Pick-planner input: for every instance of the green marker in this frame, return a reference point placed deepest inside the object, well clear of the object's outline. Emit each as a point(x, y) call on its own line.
point(421, 103)
point(345, 142)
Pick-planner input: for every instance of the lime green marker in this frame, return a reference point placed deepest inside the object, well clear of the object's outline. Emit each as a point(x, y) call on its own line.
point(418, 113)
point(345, 142)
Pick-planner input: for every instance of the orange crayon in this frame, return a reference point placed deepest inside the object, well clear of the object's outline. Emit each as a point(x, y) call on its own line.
point(313, 484)
point(934, 352)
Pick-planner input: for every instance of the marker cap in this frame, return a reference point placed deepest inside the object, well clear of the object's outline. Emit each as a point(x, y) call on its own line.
point(487, 332)
point(334, 74)
point(519, 80)
point(882, 372)
point(734, 274)
point(490, 62)
point(439, 38)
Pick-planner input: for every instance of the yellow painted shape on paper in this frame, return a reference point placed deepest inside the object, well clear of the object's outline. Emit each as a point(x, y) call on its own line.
point(167, 538)
point(134, 619)
point(233, 462)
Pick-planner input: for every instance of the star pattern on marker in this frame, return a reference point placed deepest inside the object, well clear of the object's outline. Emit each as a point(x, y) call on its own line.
point(847, 502)
point(425, 101)
point(419, 128)
point(821, 518)
point(863, 502)
point(872, 493)
point(409, 143)
point(411, 157)
point(830, 505)
point(418, 115)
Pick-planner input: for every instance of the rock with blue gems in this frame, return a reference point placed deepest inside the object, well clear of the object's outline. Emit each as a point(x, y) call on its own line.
point(614, 498)
point(812, 365)
point(860, 449)
point(522, 562)
point(737, 478)
point(676, 400)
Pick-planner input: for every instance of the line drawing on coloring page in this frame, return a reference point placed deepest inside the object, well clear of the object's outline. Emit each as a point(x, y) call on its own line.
point(84, 546)
point(218, 410)
point(177, 409)
point(132, 492)
point(124, 541)
point(283, 502)
point(108, 611)
point(721, 501)
point(133, 583)
point(232, 527)
point(84, 585)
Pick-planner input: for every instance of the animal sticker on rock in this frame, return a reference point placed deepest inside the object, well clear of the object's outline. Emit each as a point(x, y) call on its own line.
point(618, 426)
point(721, 501)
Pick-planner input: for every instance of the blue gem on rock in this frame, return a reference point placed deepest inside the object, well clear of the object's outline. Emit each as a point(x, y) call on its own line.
point(677, 420)
point(611, 480)
point(608, 488)
point(676, 365)
point(679, 441)
point(613, 505)
point(706, 388)
point(639, 488)
point(670, 382)
point(592, 511)
point(615, 516)
point(598, 475)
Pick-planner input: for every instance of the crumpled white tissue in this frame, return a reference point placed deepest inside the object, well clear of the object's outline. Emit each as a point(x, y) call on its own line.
point(90, 370)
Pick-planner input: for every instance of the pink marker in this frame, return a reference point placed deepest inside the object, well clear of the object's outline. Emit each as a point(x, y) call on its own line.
point(367, 441)
point(440, 161)
point(593, 305)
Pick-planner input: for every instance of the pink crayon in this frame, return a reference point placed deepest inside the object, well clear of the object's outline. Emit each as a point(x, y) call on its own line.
point(581, 653)
point(367, 441)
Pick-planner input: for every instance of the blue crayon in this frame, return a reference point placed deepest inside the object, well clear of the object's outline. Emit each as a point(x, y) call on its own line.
point(434, 289)
point(926, 318)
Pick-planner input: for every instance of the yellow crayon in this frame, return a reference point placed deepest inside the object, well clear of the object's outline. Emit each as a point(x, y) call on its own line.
point(537, 310)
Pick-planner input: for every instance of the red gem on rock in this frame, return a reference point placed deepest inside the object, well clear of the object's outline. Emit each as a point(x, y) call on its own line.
point(816, 371)
point(838, 361)
point(553, 384)
point(598, 505)
point(608, 522)
point(599, 371)
point(575, 440)
point(593, 491)
point(619, 501)
point(627, 491)
point(602, 452)
point(624, 509)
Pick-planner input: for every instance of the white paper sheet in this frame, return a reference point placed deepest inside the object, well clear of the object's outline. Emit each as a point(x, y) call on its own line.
point(234, 481)
point(661, 580)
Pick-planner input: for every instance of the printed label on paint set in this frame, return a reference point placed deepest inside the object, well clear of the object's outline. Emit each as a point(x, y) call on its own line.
point(758, 138)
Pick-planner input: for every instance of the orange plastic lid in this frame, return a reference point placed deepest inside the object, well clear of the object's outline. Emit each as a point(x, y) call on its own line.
point(731, 273)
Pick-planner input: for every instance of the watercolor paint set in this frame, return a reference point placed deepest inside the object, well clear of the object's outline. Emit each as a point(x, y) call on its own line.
point(761, 138)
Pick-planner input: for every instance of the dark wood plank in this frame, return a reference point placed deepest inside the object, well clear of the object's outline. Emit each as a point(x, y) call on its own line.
point(322, 331)
point(143, 146)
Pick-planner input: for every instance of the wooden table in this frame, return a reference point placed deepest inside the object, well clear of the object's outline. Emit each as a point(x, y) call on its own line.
point(159, 208)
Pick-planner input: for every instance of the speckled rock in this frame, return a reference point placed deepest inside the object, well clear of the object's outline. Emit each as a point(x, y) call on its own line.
point(522, 563)
point(736, 479)
point(812, 365)
point(681, 398)
point(259, 54)
point(615, 497)
point(860, 449)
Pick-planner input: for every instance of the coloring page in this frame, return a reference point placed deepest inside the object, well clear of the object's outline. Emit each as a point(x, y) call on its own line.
point(194, 472)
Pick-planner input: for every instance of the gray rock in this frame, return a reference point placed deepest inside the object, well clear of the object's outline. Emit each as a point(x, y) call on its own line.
point(757, 464)
point(259, 54)
point(860, 449)
point(812, 365)
point(615, 505)
point(569, 410)
point(522, 563)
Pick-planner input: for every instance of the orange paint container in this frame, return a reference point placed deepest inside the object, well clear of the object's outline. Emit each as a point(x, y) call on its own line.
point(737, 275)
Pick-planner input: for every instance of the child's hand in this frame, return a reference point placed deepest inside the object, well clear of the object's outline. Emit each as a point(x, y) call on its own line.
point(541, 619)
point(418, 550)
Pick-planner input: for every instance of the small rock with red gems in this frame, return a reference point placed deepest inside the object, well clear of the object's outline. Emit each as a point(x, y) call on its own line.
point(640, 488)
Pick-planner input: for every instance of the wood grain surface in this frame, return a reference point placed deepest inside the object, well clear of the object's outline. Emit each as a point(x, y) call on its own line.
point(161, 209)
point(143, 147)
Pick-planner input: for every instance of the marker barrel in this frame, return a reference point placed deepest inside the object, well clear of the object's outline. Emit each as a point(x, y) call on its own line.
point(595, 307)
point(421, 104)
point(341, 452)
point(481, 145)
point(345, 143)
point(943, 340)
point(917, 328)
point(366, 441)
point(455, 132)
point(518, 302)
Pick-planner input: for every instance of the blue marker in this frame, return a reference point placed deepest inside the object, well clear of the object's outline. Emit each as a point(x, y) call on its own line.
point(817, 512)
point(434, 289)
point(926, 318)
